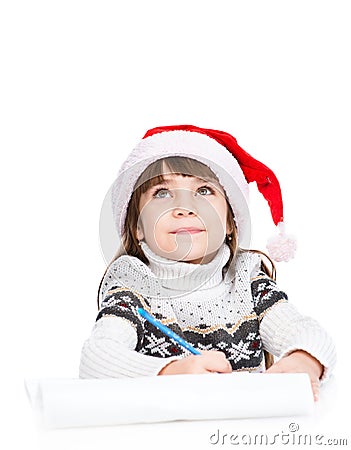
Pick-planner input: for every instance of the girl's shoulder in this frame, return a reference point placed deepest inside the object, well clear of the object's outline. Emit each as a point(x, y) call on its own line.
point(127, 260)
point(126, 266)
point(246, 264)
point(129, 272)
point(248, 257)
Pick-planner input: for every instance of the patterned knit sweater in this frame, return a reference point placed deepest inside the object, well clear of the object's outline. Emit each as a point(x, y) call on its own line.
point(239, 311)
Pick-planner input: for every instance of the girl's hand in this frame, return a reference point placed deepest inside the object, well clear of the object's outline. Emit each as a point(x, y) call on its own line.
point(207, 362)
point(300, 361)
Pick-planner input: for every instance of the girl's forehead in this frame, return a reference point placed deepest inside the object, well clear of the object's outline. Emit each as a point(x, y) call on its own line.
point(170, 175)
point(177, 170)
point(184, 179)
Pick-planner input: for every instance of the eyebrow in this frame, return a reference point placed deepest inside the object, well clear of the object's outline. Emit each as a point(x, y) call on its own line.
point(198, 180)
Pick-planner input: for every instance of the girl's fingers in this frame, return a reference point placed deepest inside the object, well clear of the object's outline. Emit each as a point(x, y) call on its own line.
point(315, 390)
point(275, 368)
point(272, 369)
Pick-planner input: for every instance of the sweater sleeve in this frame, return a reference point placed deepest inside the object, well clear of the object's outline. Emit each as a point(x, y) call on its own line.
point(111, 351)
point(283, 329)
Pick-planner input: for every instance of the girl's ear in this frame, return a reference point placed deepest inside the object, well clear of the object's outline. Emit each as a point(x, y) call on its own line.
point(230, 226)
point(139, 233)
point(230, 221)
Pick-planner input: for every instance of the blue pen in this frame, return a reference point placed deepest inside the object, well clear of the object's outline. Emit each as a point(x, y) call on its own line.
point(168, 332)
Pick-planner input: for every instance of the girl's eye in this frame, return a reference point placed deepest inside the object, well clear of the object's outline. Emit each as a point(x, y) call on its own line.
point(205, 190)
point(166, 193)
point(161, 193)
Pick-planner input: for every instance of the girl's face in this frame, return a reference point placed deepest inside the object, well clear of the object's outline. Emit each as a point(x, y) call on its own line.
point(184, 218)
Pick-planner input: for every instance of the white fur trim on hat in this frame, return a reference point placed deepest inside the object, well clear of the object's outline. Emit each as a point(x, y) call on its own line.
point(187, 144)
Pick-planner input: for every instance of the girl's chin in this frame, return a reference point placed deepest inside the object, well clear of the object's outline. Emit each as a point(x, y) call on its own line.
point(190, 255)
point(186, 249)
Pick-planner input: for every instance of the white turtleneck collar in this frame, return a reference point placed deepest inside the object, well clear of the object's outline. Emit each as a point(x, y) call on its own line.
point(183, 276)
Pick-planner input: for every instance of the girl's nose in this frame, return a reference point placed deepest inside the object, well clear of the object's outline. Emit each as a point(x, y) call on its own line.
point(184, 204)
point(183, 212)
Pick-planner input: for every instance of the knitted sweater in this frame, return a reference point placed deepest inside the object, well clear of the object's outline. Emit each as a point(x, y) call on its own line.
point(239, 311)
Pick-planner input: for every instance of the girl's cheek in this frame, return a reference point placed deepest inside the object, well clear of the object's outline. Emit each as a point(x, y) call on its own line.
point(211, 216)
point(151, 214)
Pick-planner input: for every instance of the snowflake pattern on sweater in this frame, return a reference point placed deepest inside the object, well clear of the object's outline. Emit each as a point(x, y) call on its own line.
point(223, 317)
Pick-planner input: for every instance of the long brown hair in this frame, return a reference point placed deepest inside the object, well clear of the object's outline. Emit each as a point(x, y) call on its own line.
point(152, 176)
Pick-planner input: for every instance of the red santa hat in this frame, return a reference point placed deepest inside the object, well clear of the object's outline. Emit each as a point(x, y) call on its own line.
point(233, 166)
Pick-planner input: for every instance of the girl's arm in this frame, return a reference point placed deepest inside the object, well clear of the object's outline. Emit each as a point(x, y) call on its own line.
point(300, 361)
point(109, 352)
point(301, 344)
point(285, 331)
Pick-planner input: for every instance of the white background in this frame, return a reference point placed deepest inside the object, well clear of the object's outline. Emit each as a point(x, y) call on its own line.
point(81, 82)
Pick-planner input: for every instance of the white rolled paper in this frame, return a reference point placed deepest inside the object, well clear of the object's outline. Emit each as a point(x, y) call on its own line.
point(62, 403)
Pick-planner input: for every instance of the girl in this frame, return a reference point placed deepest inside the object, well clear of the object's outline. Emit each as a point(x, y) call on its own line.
point(180, 205)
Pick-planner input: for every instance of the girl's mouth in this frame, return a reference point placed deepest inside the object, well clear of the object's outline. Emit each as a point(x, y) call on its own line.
point(190, 230)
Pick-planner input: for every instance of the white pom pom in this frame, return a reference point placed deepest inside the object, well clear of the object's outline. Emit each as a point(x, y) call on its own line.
point(283, 246)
